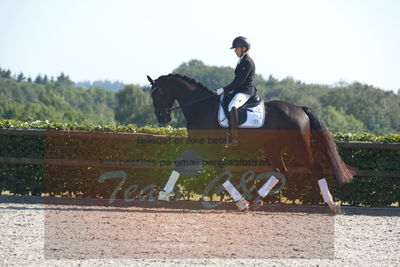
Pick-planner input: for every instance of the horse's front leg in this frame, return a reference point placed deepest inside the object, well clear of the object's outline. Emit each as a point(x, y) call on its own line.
point(274, 156)
point(217, 156)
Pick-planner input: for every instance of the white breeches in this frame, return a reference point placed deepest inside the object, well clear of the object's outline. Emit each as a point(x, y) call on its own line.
point(238, 100)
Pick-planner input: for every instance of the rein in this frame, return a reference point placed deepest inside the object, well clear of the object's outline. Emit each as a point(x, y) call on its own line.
point(169, 110)
point(193, 102)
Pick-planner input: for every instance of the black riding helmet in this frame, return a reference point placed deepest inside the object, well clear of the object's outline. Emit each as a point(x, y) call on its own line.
point(241, 42)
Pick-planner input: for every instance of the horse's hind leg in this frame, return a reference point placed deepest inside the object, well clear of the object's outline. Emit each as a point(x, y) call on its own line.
point(302, 149)
point(300, 146)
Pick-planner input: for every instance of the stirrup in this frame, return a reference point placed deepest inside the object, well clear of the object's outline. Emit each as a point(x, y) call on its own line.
point(228, 140)
point(234, 141)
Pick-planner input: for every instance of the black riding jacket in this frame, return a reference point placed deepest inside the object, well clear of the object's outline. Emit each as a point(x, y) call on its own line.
point(244, 78)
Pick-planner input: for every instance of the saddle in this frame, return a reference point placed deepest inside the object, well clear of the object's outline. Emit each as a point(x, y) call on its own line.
point(250, 115)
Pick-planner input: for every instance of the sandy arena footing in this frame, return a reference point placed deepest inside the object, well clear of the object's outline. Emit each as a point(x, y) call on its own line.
point(71, 232)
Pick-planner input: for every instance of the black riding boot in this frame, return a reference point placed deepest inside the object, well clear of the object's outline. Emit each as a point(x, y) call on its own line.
point(234, 126)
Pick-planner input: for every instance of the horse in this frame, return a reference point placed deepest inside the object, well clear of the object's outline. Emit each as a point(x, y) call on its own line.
point(299, 129)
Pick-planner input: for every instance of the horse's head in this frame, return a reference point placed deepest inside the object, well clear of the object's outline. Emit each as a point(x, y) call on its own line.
point(191, 96)
point(163, 99)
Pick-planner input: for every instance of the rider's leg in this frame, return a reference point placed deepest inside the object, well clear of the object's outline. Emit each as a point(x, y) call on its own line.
point(238, 100)
point(234, 126)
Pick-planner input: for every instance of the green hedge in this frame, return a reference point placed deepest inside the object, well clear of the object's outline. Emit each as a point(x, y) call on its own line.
point(371, 191)
point(87, 181)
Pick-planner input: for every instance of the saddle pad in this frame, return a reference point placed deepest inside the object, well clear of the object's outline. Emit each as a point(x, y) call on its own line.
point(255, 116)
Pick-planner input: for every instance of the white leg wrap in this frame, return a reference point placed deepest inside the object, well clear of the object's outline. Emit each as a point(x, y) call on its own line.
point(264, 190)
point(164, 194)
point(325, 190)
point(232, 190)
point(171, 181)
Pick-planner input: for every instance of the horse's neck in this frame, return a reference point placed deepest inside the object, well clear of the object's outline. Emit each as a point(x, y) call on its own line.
point(197, 105)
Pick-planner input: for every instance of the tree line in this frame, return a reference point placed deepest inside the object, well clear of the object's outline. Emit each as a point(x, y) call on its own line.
point(106, 84)
point(62, 78)
point(344, 107)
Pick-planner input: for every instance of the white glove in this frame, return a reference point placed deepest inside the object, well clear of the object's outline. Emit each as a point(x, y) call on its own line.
point(220, 91)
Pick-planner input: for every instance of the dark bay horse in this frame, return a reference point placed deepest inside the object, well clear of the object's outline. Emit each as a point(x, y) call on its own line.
point(285, 125)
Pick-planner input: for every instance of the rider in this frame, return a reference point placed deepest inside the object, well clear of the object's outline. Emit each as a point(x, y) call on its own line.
point(242, 87)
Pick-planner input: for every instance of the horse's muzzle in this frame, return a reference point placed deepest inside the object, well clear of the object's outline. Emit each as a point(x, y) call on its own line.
point(163, 118)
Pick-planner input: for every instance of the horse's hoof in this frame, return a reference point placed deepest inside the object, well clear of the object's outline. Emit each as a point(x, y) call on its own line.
point(256, 205)
point(243, 205)
point(246, 209)
point(335, 207)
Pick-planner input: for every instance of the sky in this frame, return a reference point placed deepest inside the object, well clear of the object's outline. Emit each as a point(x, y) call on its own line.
point(314, 41)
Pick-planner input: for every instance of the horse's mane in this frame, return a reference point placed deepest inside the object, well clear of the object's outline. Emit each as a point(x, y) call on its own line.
point(186, 79)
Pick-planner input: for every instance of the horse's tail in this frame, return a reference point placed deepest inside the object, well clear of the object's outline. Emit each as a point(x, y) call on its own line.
point(325, 142)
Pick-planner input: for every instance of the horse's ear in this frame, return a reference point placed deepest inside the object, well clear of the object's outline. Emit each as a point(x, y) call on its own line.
point(150, 80)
